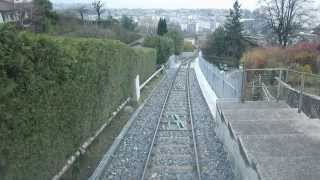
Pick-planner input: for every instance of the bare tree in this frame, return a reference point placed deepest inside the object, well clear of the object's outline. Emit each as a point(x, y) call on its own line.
point(82, 11)
point(98, 7)
point(286, 17)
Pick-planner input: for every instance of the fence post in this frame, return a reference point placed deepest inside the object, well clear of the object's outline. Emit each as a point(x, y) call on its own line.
point(243, 86)
point(301, 93)
point(223, 84)
point(253, 88)
point(136, 89)
point(279, 86)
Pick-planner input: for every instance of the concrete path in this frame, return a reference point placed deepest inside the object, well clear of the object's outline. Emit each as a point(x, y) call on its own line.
point(276, 141)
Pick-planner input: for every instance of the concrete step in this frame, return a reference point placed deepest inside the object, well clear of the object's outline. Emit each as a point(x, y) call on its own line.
point(253, 105)
point(280, 142)
point(265, 114)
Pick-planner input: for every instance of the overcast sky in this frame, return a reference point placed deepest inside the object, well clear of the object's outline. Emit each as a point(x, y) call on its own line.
point(169, 4)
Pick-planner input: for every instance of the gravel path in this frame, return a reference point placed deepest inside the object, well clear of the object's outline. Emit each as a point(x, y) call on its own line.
point(128, 161)
point(213, 159)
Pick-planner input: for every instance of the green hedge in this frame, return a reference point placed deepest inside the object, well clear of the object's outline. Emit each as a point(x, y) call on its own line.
point(143, 65)
point(163, 45)
point(55, 93)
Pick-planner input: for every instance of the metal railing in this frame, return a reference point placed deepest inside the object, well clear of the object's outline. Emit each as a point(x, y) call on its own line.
point(298, 89)
point(227, 85)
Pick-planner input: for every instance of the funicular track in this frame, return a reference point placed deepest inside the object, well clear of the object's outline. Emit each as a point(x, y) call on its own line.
point(173, 153)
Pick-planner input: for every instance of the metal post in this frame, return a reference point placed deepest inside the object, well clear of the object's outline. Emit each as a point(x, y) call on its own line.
point(253, 88)
point(301, 94)
point(287, 76)
point(223, 86)
point(243, 86)
point(279, 86)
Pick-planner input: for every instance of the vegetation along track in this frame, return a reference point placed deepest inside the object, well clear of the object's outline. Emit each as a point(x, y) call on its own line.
point(173, 152)
point(165, 136)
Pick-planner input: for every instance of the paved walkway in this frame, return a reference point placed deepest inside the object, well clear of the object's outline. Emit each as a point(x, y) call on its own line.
point(278, 143)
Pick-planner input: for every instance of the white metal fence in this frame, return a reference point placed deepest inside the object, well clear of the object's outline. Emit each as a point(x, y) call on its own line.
point(227, 85)
point(300, 90)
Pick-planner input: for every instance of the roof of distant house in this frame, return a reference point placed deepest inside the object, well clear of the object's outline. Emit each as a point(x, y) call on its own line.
point(5, 5)
point(9, 5)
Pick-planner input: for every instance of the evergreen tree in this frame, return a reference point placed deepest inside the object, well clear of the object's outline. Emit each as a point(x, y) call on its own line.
point(159, 26)
point(162, 27)
point(165, 27)
point(234, 35)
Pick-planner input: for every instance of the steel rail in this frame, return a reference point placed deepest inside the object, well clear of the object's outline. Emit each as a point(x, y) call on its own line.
point(192, 124)
point(158, 123)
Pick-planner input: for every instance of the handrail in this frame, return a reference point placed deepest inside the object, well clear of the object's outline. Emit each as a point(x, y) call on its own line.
point(267, 92)
point(82, 149)
point(151, 77)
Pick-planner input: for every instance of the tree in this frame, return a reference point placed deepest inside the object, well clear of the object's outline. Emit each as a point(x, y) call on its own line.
point(216, 44)
point(42, 15)
point(98, 7)
point(162, 27)
point(178, 40)
point(234, 30)
point(128, 23)
point(286, 17)
point(163, 45)
point(227, 44)
point(316, 30)
point(82, 11)
point(234, 36)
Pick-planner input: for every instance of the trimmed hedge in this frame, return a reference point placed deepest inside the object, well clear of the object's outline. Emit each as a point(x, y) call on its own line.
point(55, 93)
point(144, 55)
point(163, 45)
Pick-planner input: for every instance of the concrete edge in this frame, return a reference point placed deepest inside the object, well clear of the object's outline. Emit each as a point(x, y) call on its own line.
point(108, 156)
point(237, 153)
point(244, 167)
point(207, 92)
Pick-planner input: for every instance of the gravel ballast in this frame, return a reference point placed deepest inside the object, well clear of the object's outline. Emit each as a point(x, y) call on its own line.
point(129, 158)
point(213, 159)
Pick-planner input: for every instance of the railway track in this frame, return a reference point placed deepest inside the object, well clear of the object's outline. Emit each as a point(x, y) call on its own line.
point(173, 153)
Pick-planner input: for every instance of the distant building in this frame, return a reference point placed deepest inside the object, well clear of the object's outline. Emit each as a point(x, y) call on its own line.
point(15, 10)
point(149, 24)
point(248, 25)
point(192, 27)
point(213, 26)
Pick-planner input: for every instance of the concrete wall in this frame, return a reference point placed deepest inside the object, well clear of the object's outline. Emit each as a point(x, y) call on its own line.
point(310, 103)
point(243, 169)
point(236, 153)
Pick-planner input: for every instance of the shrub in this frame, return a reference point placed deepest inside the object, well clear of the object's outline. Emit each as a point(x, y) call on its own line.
point(178, 40)
point(163, 45)
point(188, 47)
point(303, 56)
point(55, 93)
point(146, 62)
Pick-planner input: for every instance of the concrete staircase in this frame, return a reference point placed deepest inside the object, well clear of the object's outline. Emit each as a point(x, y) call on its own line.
point(278, 142)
